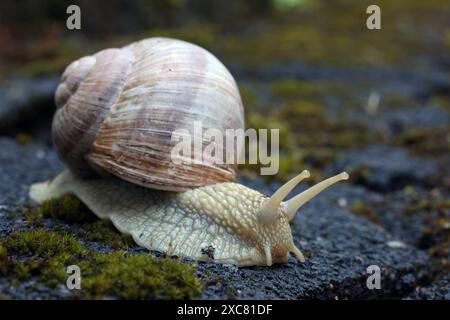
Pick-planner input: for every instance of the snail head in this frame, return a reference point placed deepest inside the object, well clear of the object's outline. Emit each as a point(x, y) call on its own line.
point(274, 214)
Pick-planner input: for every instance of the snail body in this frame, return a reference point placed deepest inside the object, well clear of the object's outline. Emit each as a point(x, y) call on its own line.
point(116, 112)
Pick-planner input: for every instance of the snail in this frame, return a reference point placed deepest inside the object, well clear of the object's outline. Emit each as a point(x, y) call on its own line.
point(116, 111)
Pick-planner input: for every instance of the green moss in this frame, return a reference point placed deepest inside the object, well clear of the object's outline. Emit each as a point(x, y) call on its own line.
point(69, 208)
point(258, 121)
point(342, 135)
point(361, 209)
point(294, 89)
point(230, 292)
point(442, 205)
point(288, 163)
point(46, 254)
point(248, 97)
point(308, 139)
point(293, 36)
point(292, 163)
point(430, 204)
point(200, 34)
point(23, 138)
point(297, 37)
point(52, 57)
point(399, 101)
point(302, 113)
point(307, 120)
point(105, 232)
point(46, 66)
point(409, 190)
point(138, 277)
point(426, 142)
point(42, 242)
point(441, 101)
point(4, 266)
point(319, 157)
point(433, 209)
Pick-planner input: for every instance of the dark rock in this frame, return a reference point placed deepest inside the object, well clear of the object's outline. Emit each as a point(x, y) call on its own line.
point(407, 81)
point(19, 167)
point(385, 168)
point(339, 248)
point(403, 119)
point(439, 290)
point(389, 210)
point(23, 101)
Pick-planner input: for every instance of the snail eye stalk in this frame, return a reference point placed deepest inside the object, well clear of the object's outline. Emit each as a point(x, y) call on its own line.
point(298, 254)
point(299, 200)
point(268, 255)
point(268, 213)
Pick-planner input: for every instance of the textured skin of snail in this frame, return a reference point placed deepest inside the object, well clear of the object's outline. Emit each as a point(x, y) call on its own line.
point(222, 216)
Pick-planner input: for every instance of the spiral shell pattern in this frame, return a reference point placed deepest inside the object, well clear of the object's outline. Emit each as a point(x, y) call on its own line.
point(117, 111)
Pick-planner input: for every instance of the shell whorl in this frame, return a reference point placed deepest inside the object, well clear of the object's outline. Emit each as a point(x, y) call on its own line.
point(117, 111)
point(89, 87)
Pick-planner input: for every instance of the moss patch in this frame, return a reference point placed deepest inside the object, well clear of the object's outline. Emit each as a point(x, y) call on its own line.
point(42, 242)
point(435, 235)
point(361, 209)
point(298, 37)
point(23, 138)
point(46, 254)
point(42, 253)
point(3, 260)
point(69, 208)
point(201, 34)
point(308, 138)
point(294, 89)
point(138, 277)
point(105, 232)
point(426, 142)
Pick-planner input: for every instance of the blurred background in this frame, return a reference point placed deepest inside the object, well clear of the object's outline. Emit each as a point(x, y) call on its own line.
point(373, 102)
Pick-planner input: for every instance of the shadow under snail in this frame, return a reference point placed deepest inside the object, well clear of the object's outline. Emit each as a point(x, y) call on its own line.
point(116, 112)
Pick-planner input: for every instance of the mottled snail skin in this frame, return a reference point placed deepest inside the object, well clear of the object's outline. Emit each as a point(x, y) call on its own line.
point(116, 112)
point(242, 226)
point(220, 215)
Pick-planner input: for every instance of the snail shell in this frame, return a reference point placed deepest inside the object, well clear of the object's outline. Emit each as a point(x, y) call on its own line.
point(117, 110)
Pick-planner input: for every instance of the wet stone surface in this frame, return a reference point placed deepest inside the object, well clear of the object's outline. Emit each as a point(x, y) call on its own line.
point(385, 168)
point(25, 100)
point(338, 245)
point(376, 104)
point(439, 290)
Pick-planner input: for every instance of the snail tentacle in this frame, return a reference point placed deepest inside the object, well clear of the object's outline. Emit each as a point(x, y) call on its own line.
point(268, 213)
point(298, 254)
point(299, 200)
